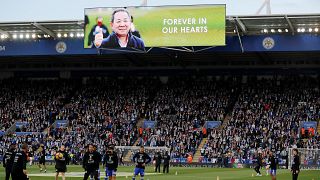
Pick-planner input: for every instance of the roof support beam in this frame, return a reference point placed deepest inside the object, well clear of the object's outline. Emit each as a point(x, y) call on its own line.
point(80, 24)
point(266, 4)
point(4, 32)
point(290, 24)
point(44, 29)
point(234, 20)
point(241, 25)
point(144, 3)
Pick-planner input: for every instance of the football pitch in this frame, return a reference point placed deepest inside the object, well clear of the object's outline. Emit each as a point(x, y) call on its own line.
point(176, 173)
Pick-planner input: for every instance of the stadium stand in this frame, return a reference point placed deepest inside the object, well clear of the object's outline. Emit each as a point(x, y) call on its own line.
point(266, 114)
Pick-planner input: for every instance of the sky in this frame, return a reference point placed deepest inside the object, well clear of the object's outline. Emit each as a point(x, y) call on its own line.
point(62, 10)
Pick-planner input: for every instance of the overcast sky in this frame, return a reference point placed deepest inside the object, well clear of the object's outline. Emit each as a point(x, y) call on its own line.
point(39, 10)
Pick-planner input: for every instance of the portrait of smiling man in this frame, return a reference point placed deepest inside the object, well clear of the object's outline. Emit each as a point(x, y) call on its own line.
point(121, 36)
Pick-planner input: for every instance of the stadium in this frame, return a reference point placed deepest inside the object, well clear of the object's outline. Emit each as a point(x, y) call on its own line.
point(208, 89)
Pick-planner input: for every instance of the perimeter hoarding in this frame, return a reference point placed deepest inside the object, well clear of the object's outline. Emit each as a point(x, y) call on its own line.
point(257, 43)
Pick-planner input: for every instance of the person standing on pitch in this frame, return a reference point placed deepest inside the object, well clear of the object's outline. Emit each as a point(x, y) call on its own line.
point(19, 166)
point(140, 159)
point(8, 160)
point(30, 156)
point(121, 158)
point(91, 161)
point(42, 159)
point(95, 149)
point(157, 157)
point(110, 162)
point(259, 164)
point(166, 162)
point(62, 159)
point(295, 168)
point(273, 166)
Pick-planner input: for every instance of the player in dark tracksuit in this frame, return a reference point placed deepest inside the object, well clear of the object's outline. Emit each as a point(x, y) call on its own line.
point(95, 149)
point(295, 168)
point(91, 161)
point(166, 162)
point(61, 163)
point(140, 159)
point(259, 164)
point(42, 159)
point(273, 166)
point(157, 157)
point(8, 160)
point(110, 162)
point(19, 166)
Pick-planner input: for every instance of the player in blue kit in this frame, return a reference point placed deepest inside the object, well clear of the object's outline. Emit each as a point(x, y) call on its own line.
point(140, 159)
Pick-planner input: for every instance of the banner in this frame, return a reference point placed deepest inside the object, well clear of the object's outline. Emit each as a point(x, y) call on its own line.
point(20, 124)
point(158, 26)
point(212, 124)
point(257, 43)
point(308, 124)
point(149, 124)
point(61, 123)
point(27, 133)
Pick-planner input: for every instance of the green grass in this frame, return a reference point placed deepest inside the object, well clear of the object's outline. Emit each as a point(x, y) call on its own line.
point(151, 26)
point(186, 173)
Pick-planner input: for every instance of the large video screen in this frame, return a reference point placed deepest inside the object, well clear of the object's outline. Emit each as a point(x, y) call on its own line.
point(159, 26)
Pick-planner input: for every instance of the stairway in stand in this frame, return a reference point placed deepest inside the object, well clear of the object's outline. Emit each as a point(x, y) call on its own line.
point(128, 154)
point(197, 155)
point(140, 123)
point(225, 122)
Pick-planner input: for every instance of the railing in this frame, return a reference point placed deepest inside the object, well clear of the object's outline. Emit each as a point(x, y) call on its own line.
point(12, 129)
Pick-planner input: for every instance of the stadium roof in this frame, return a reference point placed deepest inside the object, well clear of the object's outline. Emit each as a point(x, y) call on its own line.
point(245, 25)
point(255, 25)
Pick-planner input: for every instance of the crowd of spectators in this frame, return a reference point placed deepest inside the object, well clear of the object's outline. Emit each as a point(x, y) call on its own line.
point(268, 115)
point(265, 114)
point(181, 107)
